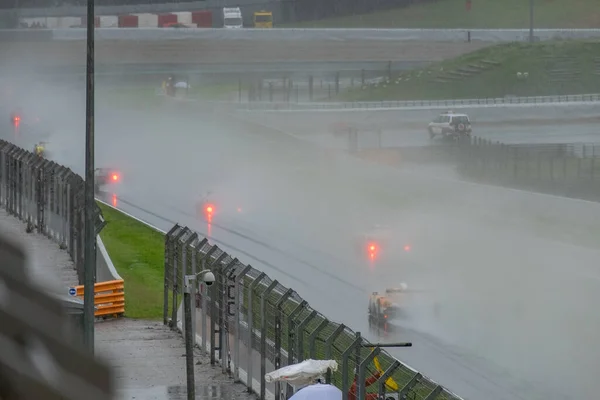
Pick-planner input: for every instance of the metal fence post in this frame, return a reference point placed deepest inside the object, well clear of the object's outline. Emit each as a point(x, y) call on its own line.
point(312, 338)
point(224, 326)
point(203, 305)
point(362, 370)
point(345, 355)
point(278, 313)
point(250, 348)
point(384, 377)
point(184, 268)
point(175, 284)
point(214, 313)
point(168, 252)
point(300, 335)
point(196, 247)
point(264, 298)
point(409, 385)
point(329, 346)
point(205, 296)
point(289, 390)
point(238, 309)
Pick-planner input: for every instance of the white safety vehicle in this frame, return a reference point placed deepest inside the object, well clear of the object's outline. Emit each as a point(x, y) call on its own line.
point(450, 125)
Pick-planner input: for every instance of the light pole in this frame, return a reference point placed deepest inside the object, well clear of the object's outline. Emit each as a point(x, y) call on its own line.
point(530, 21)
point(89, 257)
point(189, 291)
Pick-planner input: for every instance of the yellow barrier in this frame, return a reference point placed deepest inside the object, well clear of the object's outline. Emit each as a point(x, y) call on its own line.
point(109, 298)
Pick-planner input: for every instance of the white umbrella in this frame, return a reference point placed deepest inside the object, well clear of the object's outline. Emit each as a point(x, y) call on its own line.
point(302, 373)
point(318, 392)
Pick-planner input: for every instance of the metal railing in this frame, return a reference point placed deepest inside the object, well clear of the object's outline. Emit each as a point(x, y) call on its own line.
point(272, 326)
point(405, 104)
point(47, 196)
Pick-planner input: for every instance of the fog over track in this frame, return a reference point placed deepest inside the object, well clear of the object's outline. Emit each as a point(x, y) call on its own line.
point(506, 281)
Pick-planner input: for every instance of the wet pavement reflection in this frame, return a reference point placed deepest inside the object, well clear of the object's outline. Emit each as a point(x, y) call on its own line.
point(203, 392)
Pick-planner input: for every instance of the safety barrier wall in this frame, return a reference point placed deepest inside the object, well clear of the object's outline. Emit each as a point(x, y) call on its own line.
point(109, 298)
point(46, 196)
point(569, 170)
point(267, 320)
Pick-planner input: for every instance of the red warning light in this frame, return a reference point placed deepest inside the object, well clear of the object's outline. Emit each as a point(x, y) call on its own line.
point(115, 177)
point(16, 120)
point(210, 208)
point(407, 247)
point(372, 248)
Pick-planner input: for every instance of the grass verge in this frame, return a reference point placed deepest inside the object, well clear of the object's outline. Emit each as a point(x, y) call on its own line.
point(137, 252)
point(553, 68)
point(485, 14)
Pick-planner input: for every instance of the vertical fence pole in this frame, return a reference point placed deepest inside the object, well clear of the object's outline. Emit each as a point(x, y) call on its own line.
point(362, 370)
point(383, 378)
point(300, 334)
point(278, 312)
point(167, 257)
point(250, 348)
point(174, 252)
point(289, 390)
point(345, 364)
point(185, 246)
point(224, 326)
point(214, 312)
point(312, 338)
point(203, 305)
point(189, 283)
point(329, 347)
point(264, 298)
point(238, 310)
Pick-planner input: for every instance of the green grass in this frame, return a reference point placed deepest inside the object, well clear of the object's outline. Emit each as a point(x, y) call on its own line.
point(137, 252)
point(542, 61)
point(484, 14)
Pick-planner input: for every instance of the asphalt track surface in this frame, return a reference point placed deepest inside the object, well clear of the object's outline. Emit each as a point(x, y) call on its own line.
point(506, 283)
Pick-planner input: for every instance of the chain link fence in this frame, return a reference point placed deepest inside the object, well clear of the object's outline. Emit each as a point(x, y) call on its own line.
point(571, 170)
point(253, 325)
point(46, 196)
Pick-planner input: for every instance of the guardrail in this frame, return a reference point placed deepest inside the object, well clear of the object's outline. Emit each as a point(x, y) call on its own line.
point(533, 101)
point(47, 196)
point(265, 318)
point(109, 298)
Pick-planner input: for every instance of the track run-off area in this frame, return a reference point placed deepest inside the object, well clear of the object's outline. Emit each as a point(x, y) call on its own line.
point(506, 283)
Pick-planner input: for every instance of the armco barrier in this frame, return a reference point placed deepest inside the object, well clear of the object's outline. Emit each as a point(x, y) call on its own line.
point(246, 315)
point(532, 101)
point(109, 298)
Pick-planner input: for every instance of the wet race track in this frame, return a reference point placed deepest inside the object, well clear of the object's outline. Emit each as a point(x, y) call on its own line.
point(505, 283)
